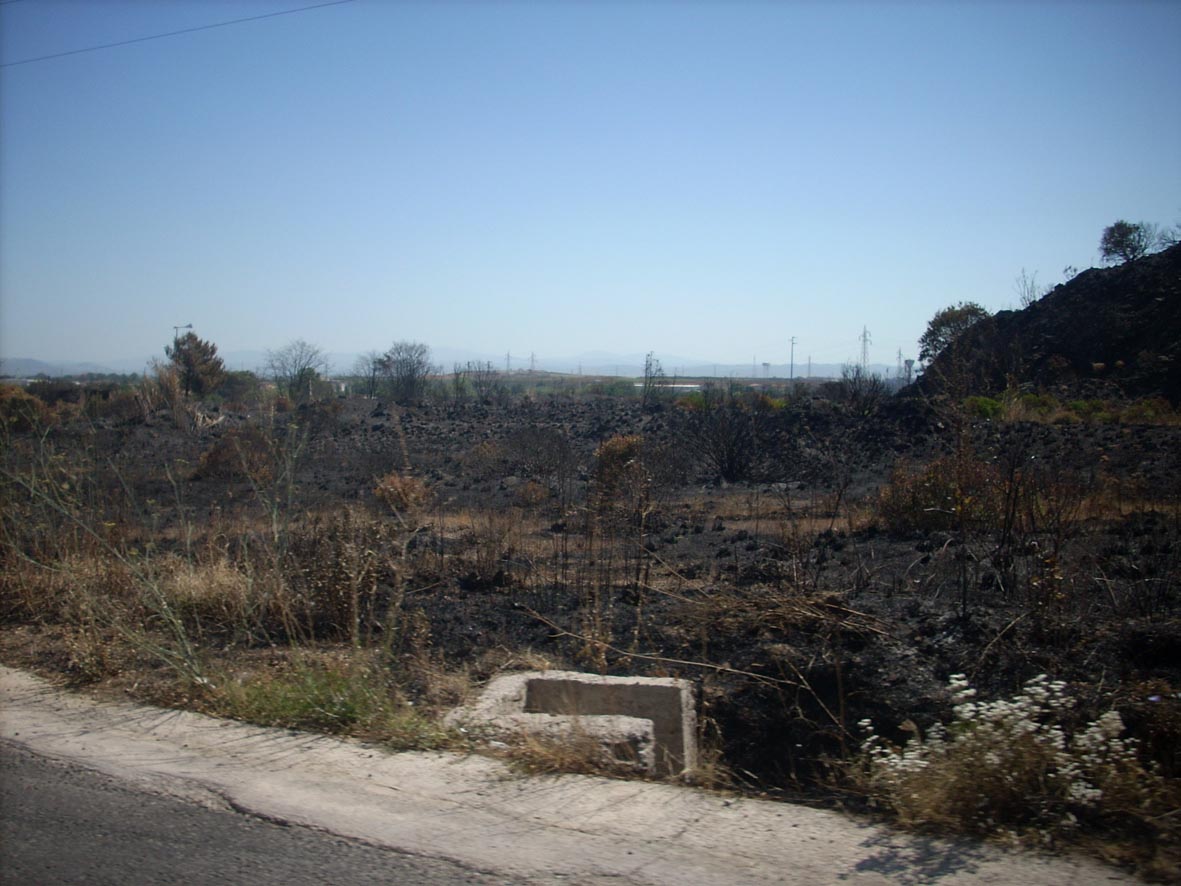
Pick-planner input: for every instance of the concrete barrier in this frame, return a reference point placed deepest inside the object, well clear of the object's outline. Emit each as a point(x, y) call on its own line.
point(649, 720)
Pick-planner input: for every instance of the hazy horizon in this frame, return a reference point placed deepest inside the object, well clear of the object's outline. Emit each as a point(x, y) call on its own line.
point(445, 361)
point(705, 179)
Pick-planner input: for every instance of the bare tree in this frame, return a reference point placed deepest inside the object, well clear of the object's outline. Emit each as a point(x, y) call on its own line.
point(484, 378)
point(863, 391)
point(1027, 288)
point(406, 367)
point(368, 370)
point(458, 383)
point(1169, 237)
point(294, 367)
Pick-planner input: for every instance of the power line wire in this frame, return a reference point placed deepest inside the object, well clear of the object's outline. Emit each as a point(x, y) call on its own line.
point(237, 21)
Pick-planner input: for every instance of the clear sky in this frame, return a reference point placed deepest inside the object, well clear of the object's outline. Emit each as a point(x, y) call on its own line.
point(700, 179)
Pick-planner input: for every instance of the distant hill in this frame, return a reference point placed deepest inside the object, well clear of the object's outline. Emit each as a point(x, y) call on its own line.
point(1108, 332)
point(24, 367)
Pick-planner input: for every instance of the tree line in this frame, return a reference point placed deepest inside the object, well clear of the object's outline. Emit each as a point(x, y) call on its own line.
point(299, 371)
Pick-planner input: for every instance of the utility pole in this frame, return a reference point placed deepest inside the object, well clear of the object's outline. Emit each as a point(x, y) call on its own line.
point(176, 333)
point(792, 372)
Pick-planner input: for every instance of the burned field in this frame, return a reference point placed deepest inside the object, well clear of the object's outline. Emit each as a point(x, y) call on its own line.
point(810, 562)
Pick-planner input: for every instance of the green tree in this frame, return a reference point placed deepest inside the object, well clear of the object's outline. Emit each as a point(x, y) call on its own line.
point(948, 325)
point(1126, 241)
point(197, 365)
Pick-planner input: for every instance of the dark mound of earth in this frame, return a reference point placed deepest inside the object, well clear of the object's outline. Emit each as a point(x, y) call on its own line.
point(1107, 332)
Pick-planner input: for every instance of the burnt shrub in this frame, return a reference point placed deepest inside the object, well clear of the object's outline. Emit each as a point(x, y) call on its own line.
point(19, 410)
point(620, 482)
point(401, 492)
point(732, 432)
point(244, 453)
point(544, 456)
point(952, 493)
point(51, 391)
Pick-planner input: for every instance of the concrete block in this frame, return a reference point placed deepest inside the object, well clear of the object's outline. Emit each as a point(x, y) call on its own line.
point(651, 720)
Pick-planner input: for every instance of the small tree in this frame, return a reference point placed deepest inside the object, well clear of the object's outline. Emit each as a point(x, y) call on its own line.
point(458, 383)
point(1125, 241)
point(198, 368)
point(238, 385)
point(1169, 237)
point(717, 425)
point(294, 367)
point(948, 325)
point(368, 371)
point(654, 381)
point(860, 389)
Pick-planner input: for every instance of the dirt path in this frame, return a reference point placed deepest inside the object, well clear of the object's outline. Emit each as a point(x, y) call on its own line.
point(472, 811)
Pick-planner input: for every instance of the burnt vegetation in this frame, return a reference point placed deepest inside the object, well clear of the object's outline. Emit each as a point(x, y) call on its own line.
point(814, 556)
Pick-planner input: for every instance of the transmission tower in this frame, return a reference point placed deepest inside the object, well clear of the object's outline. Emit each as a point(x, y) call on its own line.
point(865, 343)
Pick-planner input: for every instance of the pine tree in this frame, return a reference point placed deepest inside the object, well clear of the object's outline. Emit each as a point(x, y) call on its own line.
point(197, 364)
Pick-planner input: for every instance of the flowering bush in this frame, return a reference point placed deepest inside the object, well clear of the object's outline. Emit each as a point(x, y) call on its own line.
point(1008, 765)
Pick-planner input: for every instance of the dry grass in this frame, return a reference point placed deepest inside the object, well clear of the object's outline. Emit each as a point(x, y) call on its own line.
point(213, 596)
point(574, 752)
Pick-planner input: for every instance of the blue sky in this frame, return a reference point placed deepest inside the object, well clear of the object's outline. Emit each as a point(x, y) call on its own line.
point(698, 179)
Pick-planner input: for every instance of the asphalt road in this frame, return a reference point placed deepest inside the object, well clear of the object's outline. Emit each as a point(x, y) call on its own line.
point(61, 823)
